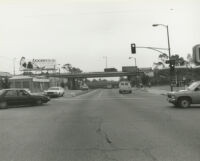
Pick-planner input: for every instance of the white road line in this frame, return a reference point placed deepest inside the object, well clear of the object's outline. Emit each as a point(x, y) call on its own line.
point(100, 94)
point(85, 94)
point(114, 98)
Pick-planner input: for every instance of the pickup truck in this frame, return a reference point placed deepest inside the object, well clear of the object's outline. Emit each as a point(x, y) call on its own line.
point(184, 98)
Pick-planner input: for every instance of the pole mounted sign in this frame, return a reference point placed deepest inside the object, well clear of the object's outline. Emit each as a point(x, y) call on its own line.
point(196, 54)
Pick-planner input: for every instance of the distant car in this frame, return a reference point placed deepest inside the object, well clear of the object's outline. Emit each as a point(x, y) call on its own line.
point(84, 87)
point(183, 98)
point(109, 86)
point(55, 92)
point(18, 97)
point(125, 87)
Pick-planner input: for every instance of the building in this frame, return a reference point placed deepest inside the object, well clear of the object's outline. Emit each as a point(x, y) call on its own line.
point(34, 84)
point(5, 74)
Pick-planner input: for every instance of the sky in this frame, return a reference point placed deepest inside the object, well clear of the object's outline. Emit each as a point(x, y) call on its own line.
point(84, 32)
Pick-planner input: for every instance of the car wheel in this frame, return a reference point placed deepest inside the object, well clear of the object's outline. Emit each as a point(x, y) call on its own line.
point(3, 105)
point(184, 103)
point(39, 102)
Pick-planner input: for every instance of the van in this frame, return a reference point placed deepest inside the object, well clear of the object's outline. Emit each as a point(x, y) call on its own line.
point(125, 87)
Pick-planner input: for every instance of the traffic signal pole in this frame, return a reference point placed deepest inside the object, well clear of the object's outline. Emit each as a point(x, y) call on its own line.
point(172, 67)
point(170, 62)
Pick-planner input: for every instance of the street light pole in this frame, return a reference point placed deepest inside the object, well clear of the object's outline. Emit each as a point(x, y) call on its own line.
point(14, 59)
point(134, 60)
point(169, 49)
point(105, 57)
point(136, 81)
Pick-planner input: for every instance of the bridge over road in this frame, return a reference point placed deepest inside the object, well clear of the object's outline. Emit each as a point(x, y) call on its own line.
point(93, 74)
point(72, 77)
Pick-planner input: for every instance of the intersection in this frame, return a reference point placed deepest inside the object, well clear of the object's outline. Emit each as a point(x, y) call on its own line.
point(101, 125)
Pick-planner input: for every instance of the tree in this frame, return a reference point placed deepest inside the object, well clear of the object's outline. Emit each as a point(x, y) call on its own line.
point(4, 83)
point(179, 61)
point(161, 63)
point(70, 69)
point(189, 61)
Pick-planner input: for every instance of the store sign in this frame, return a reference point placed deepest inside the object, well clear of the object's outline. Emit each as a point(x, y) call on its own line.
point(37, 64)
point(196, 54)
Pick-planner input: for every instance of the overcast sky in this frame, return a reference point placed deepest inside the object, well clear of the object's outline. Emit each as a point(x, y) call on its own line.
point(82, 32)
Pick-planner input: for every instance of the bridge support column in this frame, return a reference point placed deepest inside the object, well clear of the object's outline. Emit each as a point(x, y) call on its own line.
point(72, 83)
point(132, 79)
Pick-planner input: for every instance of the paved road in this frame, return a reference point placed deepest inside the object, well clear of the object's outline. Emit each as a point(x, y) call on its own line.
point(101, 126)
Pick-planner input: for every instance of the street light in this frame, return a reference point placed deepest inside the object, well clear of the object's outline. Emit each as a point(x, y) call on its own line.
point(169, 49)
point(105, 57)
point(58, 65)
point(134, 59)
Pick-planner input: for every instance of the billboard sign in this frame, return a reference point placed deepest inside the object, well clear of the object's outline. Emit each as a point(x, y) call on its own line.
point(196, 54)
point(37, 64)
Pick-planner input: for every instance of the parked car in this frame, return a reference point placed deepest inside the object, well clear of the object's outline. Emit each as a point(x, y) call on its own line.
point(183, 98)
point(84, 87)
point(18, 97)
point(125, 87)
point(55, 92)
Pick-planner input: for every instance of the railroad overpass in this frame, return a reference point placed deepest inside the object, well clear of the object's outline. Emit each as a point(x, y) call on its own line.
point(72, 77)
point(92, 74)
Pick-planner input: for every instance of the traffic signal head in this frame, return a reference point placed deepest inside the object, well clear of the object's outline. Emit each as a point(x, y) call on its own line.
point(133, 48)
point(172, 65)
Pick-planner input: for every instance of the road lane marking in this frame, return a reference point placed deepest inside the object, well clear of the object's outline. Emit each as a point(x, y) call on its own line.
point(100, 94)
point(114, 98)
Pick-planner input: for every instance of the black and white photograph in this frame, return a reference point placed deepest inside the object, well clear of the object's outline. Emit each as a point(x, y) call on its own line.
point(99, 80)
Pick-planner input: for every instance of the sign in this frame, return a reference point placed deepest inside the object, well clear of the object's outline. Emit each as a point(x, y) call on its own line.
point(129, 69)
point(196, 54)
point(37, 64)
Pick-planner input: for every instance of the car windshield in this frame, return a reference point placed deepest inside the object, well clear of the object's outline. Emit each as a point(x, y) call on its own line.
point(54, 88)
point(193, 85)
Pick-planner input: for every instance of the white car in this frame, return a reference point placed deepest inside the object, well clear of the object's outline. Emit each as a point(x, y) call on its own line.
point(55, 92)
point(125, 87)
point(84, 87)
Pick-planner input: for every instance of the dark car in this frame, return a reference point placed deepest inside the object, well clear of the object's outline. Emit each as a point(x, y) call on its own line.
point(19, 97)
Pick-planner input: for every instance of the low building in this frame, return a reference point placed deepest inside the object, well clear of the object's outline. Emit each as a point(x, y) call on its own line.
point(5, 74)
point(34, 84)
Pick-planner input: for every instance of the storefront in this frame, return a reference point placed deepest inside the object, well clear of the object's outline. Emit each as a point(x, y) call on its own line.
point(34, 84)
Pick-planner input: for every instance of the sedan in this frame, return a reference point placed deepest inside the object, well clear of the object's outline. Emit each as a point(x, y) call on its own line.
point(55, 92)
point(18, 97)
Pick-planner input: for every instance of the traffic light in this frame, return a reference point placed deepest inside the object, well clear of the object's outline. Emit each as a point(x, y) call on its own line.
point(133, 48)
point(172, 65)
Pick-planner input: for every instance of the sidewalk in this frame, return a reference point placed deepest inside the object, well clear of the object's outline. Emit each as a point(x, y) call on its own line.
point(161, 90)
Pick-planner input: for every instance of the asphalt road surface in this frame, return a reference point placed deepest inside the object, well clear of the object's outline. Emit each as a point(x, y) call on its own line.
point(102, 125)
